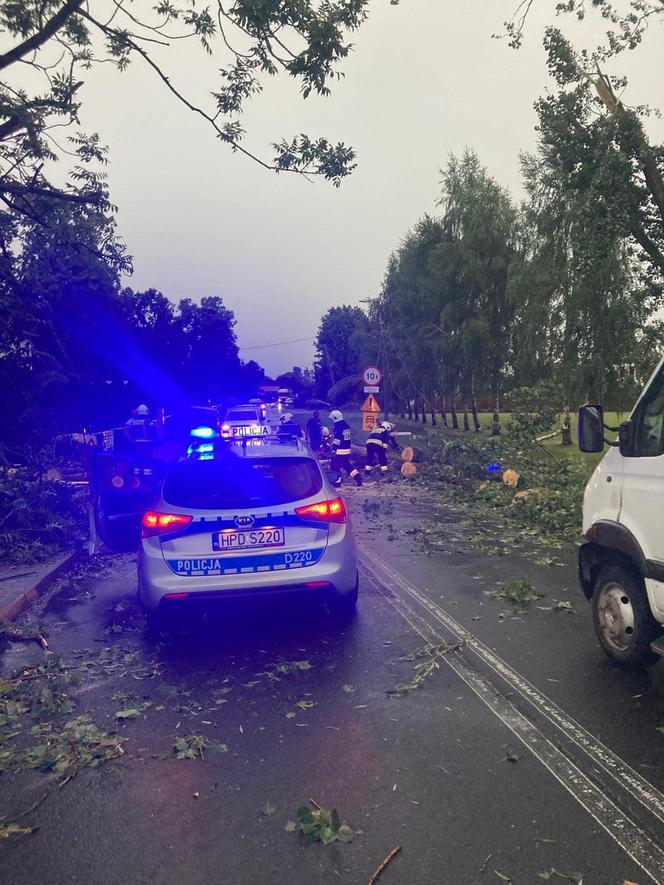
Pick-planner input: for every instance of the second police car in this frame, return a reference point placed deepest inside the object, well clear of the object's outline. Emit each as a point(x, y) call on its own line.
point(244, 421)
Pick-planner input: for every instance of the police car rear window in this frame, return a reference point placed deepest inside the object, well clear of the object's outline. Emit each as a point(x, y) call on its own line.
point(242, 415)
point(239, 483)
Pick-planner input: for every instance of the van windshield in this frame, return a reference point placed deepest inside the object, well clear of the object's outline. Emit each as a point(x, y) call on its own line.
point(234, 482)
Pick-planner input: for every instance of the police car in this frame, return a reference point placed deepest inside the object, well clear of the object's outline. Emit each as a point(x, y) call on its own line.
point(244, 421)
point(237, 519)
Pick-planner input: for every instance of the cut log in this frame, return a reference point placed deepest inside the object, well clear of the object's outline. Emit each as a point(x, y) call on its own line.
point(408, 468)
point(408, 453)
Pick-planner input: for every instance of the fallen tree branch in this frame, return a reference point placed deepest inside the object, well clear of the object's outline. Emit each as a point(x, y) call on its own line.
point(548, 435)
point(486, 863)
point(15, 635)
point(381, 869)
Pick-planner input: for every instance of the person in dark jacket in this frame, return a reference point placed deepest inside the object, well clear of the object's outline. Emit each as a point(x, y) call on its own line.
point(341, 449)
point(380, 439)
point(315, 431)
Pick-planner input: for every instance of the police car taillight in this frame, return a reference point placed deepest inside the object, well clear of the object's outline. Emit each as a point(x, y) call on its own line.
point(158, 523)
point(333, 510)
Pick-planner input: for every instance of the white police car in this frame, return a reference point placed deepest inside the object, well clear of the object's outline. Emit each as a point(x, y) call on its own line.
point(241, 519)
point(244, 421)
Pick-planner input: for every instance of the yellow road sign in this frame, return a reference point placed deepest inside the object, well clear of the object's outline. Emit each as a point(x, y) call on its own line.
point(371, 404)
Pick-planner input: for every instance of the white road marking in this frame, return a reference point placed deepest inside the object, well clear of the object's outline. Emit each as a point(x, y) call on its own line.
point(634, 841)
point(600, 754)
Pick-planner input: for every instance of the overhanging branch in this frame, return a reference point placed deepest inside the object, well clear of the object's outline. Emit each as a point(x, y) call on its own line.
point(15, 188)
point(37, 40)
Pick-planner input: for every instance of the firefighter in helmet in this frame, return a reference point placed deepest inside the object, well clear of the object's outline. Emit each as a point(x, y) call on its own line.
point(380, 439)
point(341, 449)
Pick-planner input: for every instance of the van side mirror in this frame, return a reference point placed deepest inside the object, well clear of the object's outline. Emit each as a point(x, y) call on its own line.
point(591, 428)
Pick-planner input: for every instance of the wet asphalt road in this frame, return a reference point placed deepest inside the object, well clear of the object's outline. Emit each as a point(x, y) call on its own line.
point(471, 773)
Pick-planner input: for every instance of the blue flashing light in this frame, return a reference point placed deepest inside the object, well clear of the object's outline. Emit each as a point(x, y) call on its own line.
point(203, 432)
point(202, 451)
point(493, 468)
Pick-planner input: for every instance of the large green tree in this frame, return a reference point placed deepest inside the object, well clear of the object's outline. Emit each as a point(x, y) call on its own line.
point(50, 45)
point(340, 345)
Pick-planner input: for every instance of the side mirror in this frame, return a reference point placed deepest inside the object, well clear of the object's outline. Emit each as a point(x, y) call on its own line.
point(591, 428)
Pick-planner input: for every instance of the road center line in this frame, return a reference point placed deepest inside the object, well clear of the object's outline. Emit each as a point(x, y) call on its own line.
point(615, 767)
point(636, 843)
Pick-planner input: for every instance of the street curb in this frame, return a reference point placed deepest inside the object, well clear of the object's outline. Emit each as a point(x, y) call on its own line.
point(24, 600)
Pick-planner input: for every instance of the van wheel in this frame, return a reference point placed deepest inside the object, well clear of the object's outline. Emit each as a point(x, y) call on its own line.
point(621, 615)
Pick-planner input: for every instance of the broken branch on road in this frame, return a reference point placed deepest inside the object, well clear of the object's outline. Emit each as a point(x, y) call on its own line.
point(381, 869)
point(433, 654)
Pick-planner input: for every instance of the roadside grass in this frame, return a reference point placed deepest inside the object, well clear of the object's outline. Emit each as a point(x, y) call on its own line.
point(553, 446)
point(540, 497)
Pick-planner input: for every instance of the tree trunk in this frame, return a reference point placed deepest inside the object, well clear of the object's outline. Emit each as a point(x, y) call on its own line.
point(409, 410)
point(424, 411)
point(416, 414)
point(473, 406)
point(466, 423)
point(495, 427)
point(433, 415)
point(566, 429)
point(443, 412)
point(455, 417)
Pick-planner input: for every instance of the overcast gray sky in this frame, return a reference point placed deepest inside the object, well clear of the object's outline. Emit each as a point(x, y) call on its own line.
point(425, 79)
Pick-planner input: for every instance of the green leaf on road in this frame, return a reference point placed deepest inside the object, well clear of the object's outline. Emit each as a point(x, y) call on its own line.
point(290, 826)
point(563, 606)
point(133, 712)
point(268, 808)
point(516, 592)
point(323, 826)
point(349, 688)
point(345, 834)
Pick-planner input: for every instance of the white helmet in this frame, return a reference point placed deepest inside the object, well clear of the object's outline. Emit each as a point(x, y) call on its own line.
point(335, 415)
point(286, 417)
point(386, 425)
point(142, 409)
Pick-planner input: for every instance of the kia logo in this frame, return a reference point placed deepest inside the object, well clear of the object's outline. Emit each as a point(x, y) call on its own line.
point(244, 522)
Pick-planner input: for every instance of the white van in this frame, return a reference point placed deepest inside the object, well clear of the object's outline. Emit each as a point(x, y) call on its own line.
point(621, 559)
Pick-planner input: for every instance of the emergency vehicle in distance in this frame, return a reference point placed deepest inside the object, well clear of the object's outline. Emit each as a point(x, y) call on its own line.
point(242, 421)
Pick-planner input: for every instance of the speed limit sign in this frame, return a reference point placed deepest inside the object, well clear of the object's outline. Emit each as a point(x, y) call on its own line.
point(372, 376)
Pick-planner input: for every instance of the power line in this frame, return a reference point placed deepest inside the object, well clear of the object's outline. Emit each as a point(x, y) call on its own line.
point(277, 343)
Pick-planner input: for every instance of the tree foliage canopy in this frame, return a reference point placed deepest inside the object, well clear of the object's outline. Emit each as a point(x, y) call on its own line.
point(56, 42)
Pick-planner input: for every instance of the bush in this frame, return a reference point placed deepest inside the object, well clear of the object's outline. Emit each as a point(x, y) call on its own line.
point(37, 518)
point(555, 487)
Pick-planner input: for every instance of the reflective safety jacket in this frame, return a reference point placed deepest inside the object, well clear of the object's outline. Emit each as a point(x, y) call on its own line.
point(341, 444)
point(382, 437)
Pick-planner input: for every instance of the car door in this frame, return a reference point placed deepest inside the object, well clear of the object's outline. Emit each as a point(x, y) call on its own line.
point(643, 473)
